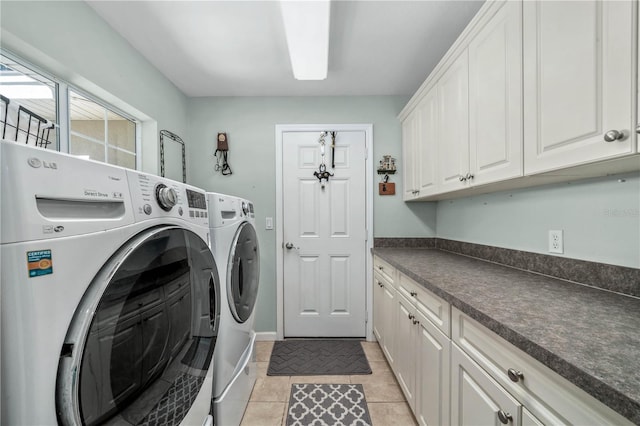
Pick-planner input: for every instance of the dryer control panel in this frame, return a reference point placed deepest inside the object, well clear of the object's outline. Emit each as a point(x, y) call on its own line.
point(154, 196)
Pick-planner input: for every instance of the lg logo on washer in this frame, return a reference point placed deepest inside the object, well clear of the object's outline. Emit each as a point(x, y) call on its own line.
point(37, 163)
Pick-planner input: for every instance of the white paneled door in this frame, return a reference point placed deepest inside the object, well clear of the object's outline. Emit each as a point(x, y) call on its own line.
point(324, 230)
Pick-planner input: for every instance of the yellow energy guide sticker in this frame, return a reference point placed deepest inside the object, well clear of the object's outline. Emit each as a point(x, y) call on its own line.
point(39, 263)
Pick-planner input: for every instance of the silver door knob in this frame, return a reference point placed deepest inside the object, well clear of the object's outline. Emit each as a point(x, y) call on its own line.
point(638, 129)
point(289, 246)
point(613, 135)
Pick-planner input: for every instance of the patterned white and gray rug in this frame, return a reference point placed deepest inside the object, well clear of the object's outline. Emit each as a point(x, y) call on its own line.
point(327, 405)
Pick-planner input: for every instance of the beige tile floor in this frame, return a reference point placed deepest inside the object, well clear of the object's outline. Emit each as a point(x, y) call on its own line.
point(269, 401)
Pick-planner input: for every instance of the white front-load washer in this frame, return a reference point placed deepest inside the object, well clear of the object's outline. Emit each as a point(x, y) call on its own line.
point(110, 294)
point(234, 243)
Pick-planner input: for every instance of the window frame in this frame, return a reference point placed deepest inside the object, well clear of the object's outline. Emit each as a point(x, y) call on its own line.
point(62, 89)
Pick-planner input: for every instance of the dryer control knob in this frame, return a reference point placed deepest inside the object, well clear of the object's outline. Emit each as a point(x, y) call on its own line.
point(147, 209)
point(166, 197)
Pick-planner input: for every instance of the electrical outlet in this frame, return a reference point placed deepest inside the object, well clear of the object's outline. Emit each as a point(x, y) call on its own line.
point(556, 244)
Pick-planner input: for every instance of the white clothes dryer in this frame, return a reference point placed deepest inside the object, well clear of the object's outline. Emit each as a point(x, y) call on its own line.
point(234, 243)
point(110, 294)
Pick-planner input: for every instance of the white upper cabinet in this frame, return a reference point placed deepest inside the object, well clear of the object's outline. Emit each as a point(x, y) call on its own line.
point(409, 125)
point(419, 141)
point(495, 97)
point(578, 82)
point(427, 144)
point(453, 108)
point(529, 88)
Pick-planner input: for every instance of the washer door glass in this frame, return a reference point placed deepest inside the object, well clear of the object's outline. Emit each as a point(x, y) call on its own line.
point(143, 336)
point(243, 272)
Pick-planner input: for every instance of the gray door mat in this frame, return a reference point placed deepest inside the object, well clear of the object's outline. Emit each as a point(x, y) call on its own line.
point(327, 404)
point(317, 358)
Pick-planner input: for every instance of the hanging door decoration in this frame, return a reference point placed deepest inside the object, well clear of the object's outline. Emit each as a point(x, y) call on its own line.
point(322, 173)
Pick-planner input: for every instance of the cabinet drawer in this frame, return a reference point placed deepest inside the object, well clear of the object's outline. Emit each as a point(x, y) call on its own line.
point(387, 271)
point(437, 310)
point(550, 397)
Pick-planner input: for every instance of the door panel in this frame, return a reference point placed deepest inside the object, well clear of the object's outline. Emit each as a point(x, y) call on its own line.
point(578, 77)
point(324, 223)
point(495, 97)
point(453, 101)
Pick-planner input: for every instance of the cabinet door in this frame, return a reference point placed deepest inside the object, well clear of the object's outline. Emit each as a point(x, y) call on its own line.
point(405, 348)
point(408, 156)
point(432, 372)
point(495, 97)
point(477, 399)
point(389, 306)
point(427, 140)
point(378, 309)
point(578, 75)
point(453, 113)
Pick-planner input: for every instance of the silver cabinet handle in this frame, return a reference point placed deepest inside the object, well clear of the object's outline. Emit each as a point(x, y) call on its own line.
point(413, 293)
point(415, 321)
point(469, 176)
point(614, 135)
point(504, 417)
point(381, 267)
point(411, 316)
point(462, 178)
point(515, 375)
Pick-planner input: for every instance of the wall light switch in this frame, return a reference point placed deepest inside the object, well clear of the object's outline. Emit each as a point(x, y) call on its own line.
point(269, 223)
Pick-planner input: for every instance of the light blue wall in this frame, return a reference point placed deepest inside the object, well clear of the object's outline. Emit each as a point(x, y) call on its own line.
point(250, 126)
point(70, 41)
point(600, 219)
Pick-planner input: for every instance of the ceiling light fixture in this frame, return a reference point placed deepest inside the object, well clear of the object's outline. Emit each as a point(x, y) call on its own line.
point(306, 25)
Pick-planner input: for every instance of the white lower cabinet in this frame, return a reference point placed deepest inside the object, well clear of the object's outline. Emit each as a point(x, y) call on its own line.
point(476, 398)
point(549, 398)
point(432, 373)
point(405, 348)
point(378, 309)
point(389, 323)
point(454, 371)
point(384, 301)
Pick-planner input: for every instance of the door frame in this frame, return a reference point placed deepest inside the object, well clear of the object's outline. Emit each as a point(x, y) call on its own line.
point(368, 130)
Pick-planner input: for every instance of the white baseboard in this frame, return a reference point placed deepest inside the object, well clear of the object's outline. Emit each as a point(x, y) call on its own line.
point(265, 336)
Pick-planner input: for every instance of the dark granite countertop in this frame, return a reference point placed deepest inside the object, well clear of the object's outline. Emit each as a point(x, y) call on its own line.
point(589, 336)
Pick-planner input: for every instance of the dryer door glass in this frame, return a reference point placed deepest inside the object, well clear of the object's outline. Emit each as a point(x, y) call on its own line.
point(144, 334)
point(243, 272)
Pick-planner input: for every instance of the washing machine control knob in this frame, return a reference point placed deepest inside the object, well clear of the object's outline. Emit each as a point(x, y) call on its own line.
point(166, 197)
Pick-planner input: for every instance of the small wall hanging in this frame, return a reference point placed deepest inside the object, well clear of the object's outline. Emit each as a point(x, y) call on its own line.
point(387, 167)
point(222, 155)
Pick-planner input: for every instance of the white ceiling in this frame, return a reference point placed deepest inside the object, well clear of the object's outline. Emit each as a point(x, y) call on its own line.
point(238, 48)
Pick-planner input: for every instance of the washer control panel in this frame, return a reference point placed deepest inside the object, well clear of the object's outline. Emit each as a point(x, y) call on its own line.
point(154, 196)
